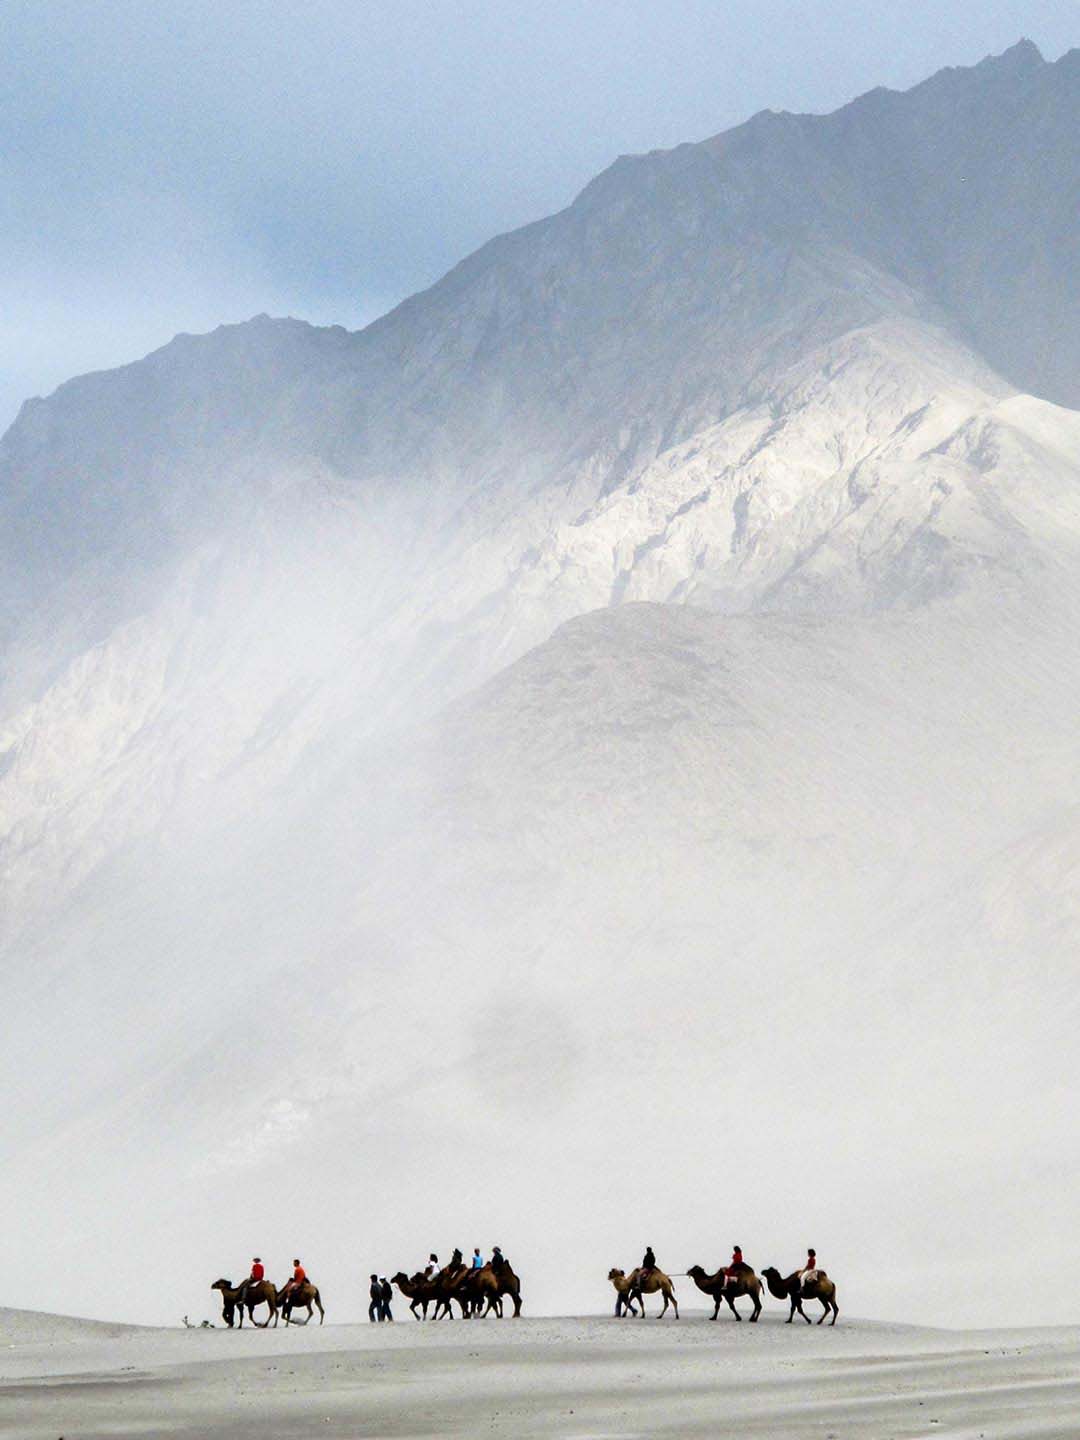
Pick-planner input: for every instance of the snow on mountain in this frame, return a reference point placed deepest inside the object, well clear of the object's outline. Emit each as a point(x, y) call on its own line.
point(605, 731)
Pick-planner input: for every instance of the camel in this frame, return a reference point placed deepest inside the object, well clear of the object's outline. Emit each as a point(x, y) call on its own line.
point(508, 1284)
point(794, 1290)
point(483, 1290)
point(640, 1283)
point(450, 1284)
point(262, 1293)
point(305, 1296)
point(417, 1290)
point(722, 1286)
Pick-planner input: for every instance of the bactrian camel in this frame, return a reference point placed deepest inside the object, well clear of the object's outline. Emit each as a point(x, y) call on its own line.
point(640, 1283)
point(236, 1299)
point(723, 1286)
point(795, 1290)
point(302, 1297)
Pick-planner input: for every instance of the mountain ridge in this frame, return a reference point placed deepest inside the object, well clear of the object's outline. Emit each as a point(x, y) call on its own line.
point(626, 690)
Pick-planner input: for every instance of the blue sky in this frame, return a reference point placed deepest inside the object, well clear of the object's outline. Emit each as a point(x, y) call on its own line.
point(167, 167)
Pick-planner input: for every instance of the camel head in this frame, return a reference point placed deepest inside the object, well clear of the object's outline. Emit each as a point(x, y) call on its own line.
point(771, 1273)
point(222, 1285)
point(694, 1270)
point(616, 1275)
point(399, 1277)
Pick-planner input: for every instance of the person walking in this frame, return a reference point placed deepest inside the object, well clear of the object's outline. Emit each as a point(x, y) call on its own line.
point(386, 1292)
point(374, 1310)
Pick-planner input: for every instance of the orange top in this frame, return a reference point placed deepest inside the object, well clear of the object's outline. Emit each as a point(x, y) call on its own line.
point(299, 1275)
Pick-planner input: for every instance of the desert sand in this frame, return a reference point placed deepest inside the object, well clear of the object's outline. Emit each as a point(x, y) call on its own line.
point(586, 1378)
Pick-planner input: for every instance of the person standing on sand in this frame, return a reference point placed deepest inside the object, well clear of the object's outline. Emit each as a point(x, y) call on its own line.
point(374, 1310)
point(387, 1294)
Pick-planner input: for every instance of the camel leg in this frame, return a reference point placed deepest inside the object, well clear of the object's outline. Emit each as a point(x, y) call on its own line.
point(517, 1305)
point(663, 1312)
point(825, 1311)
point(676, 1304)
point(756, 1297)
point(640, 1298)
point(835, 1311)
point(731, 1306)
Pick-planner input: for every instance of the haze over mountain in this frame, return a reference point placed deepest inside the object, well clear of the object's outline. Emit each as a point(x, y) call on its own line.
point(604, 732)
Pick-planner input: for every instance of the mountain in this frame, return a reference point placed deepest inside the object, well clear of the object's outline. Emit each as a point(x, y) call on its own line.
point(606, 726)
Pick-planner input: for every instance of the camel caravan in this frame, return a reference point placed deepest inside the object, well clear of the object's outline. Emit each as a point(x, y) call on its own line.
point(298, 1294)
point(727, 1285)
point(477, 1288)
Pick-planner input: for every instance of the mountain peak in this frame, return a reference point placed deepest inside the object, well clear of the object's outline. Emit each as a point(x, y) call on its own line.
point(1022, 57)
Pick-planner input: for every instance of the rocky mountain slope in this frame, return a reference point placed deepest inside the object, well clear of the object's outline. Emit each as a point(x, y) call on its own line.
point(624, 696)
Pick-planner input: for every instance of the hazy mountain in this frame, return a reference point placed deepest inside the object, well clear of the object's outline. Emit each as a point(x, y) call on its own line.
point(354, 824)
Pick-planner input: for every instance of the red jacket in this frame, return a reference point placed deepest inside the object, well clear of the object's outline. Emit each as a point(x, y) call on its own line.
point(299, 1275)
point(257, 1271)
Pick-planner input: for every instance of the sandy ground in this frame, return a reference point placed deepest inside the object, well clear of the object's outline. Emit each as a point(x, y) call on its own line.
point(586, 1378)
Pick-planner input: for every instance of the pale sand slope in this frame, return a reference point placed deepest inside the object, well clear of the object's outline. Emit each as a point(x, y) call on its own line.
point(563, 1377)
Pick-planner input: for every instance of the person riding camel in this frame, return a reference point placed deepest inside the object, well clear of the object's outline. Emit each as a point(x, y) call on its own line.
point(497, 1260)
point(257, 1276)
point(431, 1269)
point(457, 1260)
point(477, 1261)
point(736, 1263)
point(648, 1262)
point(809, 1272)
point(298, 1281)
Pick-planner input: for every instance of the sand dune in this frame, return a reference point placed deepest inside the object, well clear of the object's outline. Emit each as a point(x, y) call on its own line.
point(539, 1377)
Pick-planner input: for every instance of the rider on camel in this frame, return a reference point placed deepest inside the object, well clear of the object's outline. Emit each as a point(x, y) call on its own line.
point(298, 1281)
point(737, 1263)
point(809, 1272)
point(648, 1263)
point(257, 1276)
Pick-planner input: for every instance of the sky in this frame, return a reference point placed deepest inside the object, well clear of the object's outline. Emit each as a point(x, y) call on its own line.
point(169, 167)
